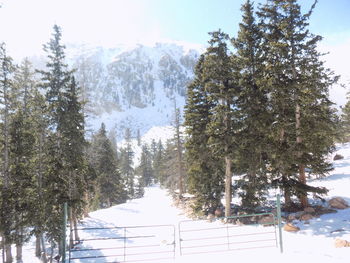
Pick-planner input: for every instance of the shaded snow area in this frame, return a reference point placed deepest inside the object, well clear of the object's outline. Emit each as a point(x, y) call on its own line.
point(160, 221)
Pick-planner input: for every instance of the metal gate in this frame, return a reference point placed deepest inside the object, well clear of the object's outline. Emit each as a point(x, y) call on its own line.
point(228, 233)
point(124, 244)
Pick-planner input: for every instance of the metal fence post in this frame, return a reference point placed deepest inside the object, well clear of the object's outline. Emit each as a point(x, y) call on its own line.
point(279, 220)
point(124, 243)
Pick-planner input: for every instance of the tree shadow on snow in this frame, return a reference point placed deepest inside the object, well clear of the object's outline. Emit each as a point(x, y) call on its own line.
point(328, 225)
point(99, 239)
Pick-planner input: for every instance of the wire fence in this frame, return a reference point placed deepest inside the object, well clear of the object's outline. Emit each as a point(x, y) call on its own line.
point(229, 233)
point(124, 244)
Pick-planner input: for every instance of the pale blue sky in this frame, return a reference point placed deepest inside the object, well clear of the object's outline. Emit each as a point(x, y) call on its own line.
point(191, 19)
point(25, 25)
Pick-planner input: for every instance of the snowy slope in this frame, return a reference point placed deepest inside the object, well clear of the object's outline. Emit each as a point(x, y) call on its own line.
point(314, 242)
point(133, 87)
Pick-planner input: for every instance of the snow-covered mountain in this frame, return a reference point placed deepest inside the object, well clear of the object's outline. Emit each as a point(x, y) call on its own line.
point(133, 87)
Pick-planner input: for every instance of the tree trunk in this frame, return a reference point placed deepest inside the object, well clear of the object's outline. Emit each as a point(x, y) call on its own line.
point(302, 178)
point(8, 254)
point(287, 195)
point(43, 247)
point(86, 208)
point(75, 225)
point(3, 249)
point(228, 183)
point(53, 251)
point(71, 237)
point(19, 254)
point(5, 142)
point(19, 245)
point(37, 246)
point(287, 198)
point(179, 153)
point(60, 248)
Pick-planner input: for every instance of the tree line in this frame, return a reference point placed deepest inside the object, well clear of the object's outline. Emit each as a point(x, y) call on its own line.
point(258, 108)
point(47, 160)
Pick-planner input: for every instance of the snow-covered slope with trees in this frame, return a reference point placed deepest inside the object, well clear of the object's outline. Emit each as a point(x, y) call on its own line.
point(134, 87)
point(314, 242)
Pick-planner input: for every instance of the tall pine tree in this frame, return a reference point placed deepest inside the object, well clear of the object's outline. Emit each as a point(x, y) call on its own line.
point(298, 87)
point(254, 116)
point(103, 160)
point(127, 164)
point(221, 85)
point(65, 174)
point(7, 102)
point(205, 169)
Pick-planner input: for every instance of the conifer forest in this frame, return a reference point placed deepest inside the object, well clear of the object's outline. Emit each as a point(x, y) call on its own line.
point(257, 117)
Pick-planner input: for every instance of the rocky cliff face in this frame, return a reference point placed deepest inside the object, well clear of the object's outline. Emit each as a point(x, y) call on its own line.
point(135, 88)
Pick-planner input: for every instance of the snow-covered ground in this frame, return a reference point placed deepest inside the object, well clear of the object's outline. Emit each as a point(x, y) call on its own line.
point(314, 242)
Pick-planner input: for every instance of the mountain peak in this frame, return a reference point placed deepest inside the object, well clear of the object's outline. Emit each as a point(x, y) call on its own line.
point(133, 86)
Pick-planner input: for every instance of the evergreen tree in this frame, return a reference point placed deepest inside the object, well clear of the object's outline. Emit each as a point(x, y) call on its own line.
point(345, 121)
point(55, 80)
point(254, 117)
point(298, 84)
point(179, 148)
point(167, 168)
point(112, 136)
point(22, 153)
point(153, 149)
point(65, 142)
point(102, 158)
point(138, 137)
point(157, 152)
point(126, 164)
point(22, 184)
point(220, 82)
point(25, 82)
point(7, 216)
point(205, 170)
point(42, 210)
point(73, 145)
point(145, 169)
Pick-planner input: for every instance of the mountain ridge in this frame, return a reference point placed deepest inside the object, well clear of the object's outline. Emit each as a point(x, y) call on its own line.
point(135, 87)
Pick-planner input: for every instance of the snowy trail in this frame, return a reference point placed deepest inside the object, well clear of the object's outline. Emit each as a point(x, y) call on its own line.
point(155, 208)
point(314, 242)
point(152, 216)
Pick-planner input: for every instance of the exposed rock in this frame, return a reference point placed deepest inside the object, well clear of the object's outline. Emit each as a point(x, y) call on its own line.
point(338, 230)
point(338, 157)
point(219, 212)
point(306, 217)
point(266, 220)
point(245, 221)
point(291, 228)
point(299, 214)
point(341, 243)
point(309, 209)
point(309, 213)
point(338, 203)
point(320, 210)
